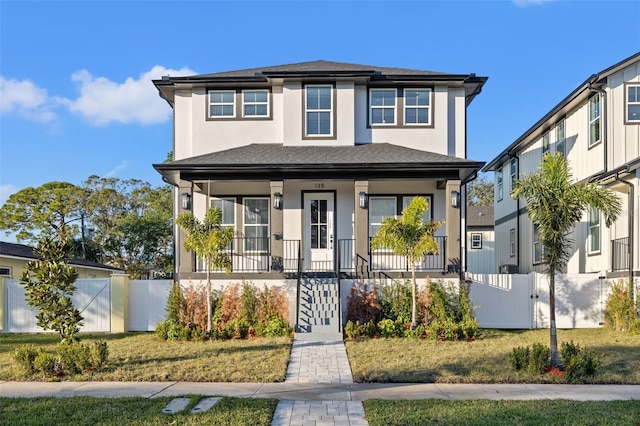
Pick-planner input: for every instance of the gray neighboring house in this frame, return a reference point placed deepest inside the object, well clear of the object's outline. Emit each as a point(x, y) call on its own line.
point(480, 240)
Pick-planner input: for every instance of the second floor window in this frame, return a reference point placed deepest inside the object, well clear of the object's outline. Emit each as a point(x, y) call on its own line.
point(633, 103)
point(318, 110)
point(476, 241)
point(255, 103)
point(545, 143)
point(594, 119)
point(417, 106)
point(382, 104)
point(222, 103)
point(514, 172)
point(560, 139)
point(499, 184)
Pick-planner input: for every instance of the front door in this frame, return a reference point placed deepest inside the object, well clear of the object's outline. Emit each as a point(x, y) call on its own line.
point(318, 231)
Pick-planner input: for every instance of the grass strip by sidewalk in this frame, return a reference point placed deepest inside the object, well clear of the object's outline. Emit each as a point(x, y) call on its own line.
point(144, 357)
point(486, 360)
point(484, 412)
point(131, 411)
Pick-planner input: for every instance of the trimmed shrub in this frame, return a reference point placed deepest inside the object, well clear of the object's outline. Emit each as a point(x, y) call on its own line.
point(578, 362)
point(98, 353)
point(362, 303)
point(352, 329)
point(47, 365)
point(24, 355)
point(74, 357)
point(175, 303)
point(395, 300)
point(387, 327)
point(519, 357)
point(539, 359)
point(620, 312)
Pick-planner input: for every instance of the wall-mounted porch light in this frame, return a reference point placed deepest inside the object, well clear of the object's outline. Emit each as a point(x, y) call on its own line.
point(185, 201)
point(455, 199)
point(277, 200)
point(363, 200)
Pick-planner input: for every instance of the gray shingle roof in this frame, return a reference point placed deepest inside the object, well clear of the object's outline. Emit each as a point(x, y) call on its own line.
point(318, 67)
point(480, 216)
point(26, 252)
point(274, 154)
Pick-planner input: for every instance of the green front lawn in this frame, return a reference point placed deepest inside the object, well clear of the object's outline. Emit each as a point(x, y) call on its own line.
point(484, 412)
point(131, 411)
point(486, 360)
point(143, 357)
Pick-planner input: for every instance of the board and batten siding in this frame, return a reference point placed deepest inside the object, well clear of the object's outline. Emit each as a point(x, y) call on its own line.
point(481, 260)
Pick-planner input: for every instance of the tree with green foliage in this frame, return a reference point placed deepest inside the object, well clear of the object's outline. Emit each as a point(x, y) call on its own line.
point(411, 237)
point(49, 285)
point(555, 204)
point(480, 191)
point(208, 240)
point(50, 210)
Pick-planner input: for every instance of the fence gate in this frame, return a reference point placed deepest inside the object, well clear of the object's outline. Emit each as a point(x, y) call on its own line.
point(92, 298)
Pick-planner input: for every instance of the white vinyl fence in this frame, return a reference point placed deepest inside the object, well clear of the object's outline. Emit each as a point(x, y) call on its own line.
point(522, 301)
point(147, 303)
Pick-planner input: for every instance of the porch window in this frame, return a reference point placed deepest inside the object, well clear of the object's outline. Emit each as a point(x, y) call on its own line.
point(594, 230)
point(319, 111)
point(560, 139)
point(255, 103)
point(382, 106)
point(256, 224)
point(476, 241)
point(499, 184)
point(427, 216)
point(594, 119)
point(380, 208)
point(538, 249)
point(633, 103)
point(222, 103)
point(228, 208)
point(545, 143)
point(417, 106)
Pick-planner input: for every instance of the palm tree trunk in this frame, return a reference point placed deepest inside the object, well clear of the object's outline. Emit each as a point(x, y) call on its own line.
point(413, 297)
point(208, 298)
point(553, 337)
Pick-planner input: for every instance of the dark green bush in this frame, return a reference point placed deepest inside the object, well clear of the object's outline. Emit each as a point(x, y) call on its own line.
point(46, 364)
point(539, 359)
point(578, 362)
point(74, 357)
point(370, 329)
point(24, 356)
point(176, 303)
point(162, 330)
point(98, 353)
point(395, 300)
point(519, 357)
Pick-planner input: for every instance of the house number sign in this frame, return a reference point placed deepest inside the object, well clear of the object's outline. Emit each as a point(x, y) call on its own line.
point(319, 185)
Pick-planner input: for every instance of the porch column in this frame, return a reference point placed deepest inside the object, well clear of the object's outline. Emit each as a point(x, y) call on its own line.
point(452, 227)
point(361, 219)
point(184, 259)
point(277, 226)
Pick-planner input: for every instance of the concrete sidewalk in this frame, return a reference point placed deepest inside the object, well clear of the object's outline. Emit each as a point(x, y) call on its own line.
point(323, 391)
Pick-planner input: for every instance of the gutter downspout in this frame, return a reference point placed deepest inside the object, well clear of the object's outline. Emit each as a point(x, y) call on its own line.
point(630, 224)
point(517, 210)
point(603, 119)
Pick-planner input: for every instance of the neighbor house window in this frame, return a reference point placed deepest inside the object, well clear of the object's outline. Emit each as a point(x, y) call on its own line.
point(633, 103)
point(538, 250)
point(594, 119)
point(319, 111)
point(560, 139)
point(512, 242)
point(382, 106)
point(380, 208)
point(222, 103)
point(417, 106)
point(545, 143)
point(514, 172)
point(476, 241)
point(5, 272)
point(499, 184)
point(594, 230)
point(255, 103)
point(256, 224)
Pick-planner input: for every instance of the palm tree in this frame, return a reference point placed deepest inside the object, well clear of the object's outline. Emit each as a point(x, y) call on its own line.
point(555, 205)
point(410, 237)
point(208, 240)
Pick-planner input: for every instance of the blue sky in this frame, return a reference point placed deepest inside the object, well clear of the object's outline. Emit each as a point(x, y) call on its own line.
point(76, 97)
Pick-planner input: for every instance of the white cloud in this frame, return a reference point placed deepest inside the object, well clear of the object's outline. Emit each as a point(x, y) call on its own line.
point(525, 3)
point(27, 100)
point(103, 101)
point(118, 168)
point(6, 191)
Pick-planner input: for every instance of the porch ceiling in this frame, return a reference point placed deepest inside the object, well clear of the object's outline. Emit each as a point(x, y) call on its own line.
point(276, 161)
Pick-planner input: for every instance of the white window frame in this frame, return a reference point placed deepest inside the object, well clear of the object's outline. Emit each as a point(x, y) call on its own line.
point(476, 240)
point(629, 102)
point(255, 103)
point(5, 271)
point(535, 237)
point(426, 107)
point(594, 120)
point(545, 143)
point(499, 184)
point(256, 225)
point(561, 136)
point(383, 107)
point(512, 242)
point(308, 110)
point(427, 216)
point(594, 229)
point(373, 199)
point(211, 103)
point(513, 169)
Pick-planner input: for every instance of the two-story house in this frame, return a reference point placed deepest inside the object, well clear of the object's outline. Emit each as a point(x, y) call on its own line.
point(306, 160)
point(597, 128)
